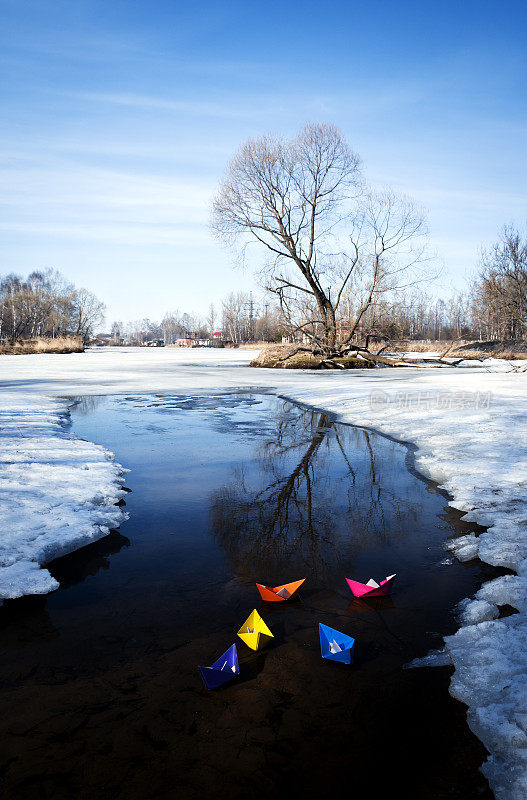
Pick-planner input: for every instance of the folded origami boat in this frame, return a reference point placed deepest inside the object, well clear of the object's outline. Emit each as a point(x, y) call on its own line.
point(335, 645)
point(254, 632)
point(282, 592)
point(224, 669)
point(372, 588)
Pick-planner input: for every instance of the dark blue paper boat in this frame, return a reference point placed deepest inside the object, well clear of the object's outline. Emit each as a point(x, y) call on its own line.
point(335, 645)
point(224, 669)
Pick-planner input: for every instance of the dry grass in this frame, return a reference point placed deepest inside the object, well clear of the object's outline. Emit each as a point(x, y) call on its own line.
point(463, 349)
point(509, 355)
point(62, 344)
point(422, 346)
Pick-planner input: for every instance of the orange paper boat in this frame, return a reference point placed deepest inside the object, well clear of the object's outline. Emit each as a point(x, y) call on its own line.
point(276, 593)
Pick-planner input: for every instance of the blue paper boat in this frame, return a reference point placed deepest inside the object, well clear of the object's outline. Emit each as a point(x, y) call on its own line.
point(335, 645)
point(224, 669)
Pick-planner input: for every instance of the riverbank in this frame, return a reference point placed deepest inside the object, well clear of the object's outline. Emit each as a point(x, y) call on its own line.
point(510, 349)
point(61, 344)
point(468, 427)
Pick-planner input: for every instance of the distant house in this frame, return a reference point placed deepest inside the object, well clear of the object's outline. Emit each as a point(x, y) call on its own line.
point(298, 337)
point(217, 335)
point(103, 339)
point(344, 328)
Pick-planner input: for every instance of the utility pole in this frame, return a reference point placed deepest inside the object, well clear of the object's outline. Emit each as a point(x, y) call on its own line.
point(250, 305)
point(266, 318)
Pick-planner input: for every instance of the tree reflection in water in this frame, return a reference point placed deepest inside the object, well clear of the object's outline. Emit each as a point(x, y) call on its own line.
point(316, 494)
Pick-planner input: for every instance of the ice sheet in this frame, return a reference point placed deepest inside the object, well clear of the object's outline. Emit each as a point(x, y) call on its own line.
point(57, 493)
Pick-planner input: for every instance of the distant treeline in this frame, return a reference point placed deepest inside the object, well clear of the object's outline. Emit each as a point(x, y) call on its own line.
point(239, 319)
point(45, 305)
point(494, 308)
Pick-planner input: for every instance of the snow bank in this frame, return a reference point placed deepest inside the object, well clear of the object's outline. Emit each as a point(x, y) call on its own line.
point(57, 493)
point(468, 425)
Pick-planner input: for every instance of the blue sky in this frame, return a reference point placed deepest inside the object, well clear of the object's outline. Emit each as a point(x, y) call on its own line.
point(118, 119)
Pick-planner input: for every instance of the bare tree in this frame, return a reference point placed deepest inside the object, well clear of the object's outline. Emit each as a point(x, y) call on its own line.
point(211, 320)
point(325, 235)
point(45, 304)
point(87, 313)
point(234, 317)
point(500, 293)
point(169, 327)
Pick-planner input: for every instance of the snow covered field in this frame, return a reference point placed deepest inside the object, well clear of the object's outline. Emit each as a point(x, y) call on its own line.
point(57, 493)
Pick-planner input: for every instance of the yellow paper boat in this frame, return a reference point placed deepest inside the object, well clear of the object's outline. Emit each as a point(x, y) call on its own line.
point(254, 631)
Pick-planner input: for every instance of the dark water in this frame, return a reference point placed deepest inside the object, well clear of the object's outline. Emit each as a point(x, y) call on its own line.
point(100, 692)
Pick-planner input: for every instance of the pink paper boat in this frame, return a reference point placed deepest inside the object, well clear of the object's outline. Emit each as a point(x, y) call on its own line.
point(372, 588)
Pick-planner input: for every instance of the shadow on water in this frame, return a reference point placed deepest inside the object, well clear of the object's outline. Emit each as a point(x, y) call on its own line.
point(100, 692)
point(79, 565)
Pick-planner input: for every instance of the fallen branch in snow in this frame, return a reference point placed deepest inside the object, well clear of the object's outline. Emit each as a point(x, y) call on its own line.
point(388, 361)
